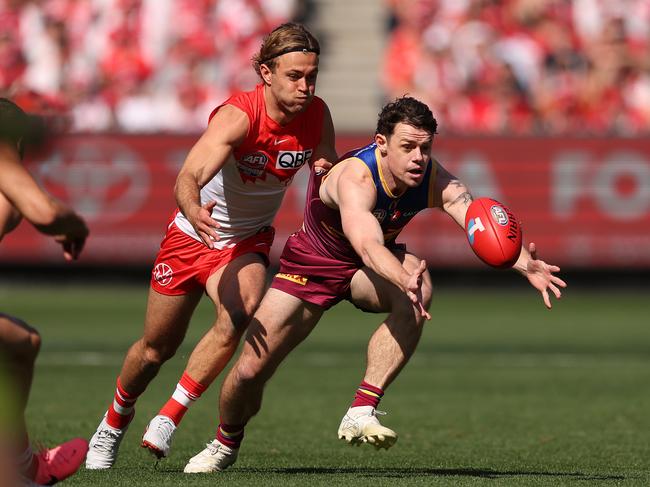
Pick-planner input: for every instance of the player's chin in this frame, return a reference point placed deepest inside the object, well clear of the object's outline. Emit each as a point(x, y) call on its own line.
point(301, 103)
point(414, 178)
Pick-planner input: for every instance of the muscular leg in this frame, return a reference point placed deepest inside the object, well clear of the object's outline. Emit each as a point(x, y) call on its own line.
point(279, 325)
point(166, 322)
point(393, 343)
point(389, 349)
point(236, 291)
point(19, 345)
point(165, 326)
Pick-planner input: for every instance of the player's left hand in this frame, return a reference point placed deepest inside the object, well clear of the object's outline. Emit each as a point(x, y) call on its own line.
point(541, 276)
point(321, 166)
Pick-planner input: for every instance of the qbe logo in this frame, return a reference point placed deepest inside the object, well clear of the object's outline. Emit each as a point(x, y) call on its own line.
point(291, 159)
point(163, 274)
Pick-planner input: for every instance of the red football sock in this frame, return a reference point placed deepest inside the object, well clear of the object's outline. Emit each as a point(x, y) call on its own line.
point(367, 395)
point(122, 410)
point(230, 435)
point(187, 391)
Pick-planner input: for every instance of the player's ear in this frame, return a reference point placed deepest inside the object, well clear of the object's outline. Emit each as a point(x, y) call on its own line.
point(266, 73)
point(382, 144)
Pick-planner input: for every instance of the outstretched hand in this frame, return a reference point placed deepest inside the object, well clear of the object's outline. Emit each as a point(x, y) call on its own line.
point(205, 225)
point(541, 276)
point(72, 245)
point(74, 240)
point(414, 289)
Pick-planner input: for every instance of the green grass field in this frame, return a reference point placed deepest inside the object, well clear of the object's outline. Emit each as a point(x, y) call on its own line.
point(500, 392)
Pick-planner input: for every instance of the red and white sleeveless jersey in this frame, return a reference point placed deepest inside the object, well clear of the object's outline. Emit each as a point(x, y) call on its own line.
point(250, 186)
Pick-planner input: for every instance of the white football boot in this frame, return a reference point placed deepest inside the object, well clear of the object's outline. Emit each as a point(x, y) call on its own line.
point(214, 458)
point(360, 425)
point(158, 436)
point(103, 446)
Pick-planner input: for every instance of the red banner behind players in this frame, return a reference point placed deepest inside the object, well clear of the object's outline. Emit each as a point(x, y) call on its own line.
point(585, 202)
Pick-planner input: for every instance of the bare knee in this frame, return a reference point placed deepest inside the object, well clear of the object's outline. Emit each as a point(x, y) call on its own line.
point(154, 355)
point(20, 341)
point(249, 373)
point(233, 321)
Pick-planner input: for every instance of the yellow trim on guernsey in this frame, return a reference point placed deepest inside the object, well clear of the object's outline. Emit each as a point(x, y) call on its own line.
point(340, 164)
point(432, 181)
point(381, 174)
point(293, 278)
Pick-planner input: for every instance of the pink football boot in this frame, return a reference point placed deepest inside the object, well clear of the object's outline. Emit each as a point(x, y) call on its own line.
point(58, 463)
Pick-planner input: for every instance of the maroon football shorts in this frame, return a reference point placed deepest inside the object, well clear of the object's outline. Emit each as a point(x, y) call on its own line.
point(184, 264)
point(314, 278)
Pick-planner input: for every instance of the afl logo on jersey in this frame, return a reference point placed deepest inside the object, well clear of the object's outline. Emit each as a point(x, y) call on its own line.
point(253, 164)
point(291, 159)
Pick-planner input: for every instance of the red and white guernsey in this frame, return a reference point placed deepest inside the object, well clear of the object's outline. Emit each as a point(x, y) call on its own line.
point(250, 186)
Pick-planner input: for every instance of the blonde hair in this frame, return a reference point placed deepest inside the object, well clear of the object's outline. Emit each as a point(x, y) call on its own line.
point(289, 37)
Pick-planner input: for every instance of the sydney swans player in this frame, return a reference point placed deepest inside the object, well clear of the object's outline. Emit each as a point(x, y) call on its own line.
point(228, 192)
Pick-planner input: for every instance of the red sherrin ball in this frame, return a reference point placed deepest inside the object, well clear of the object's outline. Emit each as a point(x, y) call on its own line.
point(494, 233)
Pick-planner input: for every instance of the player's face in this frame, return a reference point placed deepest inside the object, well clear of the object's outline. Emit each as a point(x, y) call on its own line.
point(408, 153)
point(293, 82)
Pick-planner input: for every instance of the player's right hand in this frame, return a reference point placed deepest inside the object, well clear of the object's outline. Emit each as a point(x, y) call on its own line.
point(413, 289)
point(205, 225)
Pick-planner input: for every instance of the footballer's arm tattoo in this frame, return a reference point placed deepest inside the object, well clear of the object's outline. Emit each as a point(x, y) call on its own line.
point(465, 198)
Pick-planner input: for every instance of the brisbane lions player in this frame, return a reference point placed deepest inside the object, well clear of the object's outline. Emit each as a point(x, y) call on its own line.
point(347, 250)
point(228, 192)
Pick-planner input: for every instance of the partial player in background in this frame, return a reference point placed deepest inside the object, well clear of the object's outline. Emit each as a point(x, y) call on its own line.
point(346, 249)
point(22, 197)
point(228, 192)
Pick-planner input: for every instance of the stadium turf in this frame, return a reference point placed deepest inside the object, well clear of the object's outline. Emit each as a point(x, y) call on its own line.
point(501, 392)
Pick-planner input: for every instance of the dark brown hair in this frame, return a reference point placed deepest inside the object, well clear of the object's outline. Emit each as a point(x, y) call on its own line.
point(406, 110)
point(289, 37)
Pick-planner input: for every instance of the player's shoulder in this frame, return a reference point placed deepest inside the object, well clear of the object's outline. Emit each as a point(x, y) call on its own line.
point(351, 169)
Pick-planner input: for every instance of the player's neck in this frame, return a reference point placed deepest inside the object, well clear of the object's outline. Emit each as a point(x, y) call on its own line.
point(275, 111)
point(394, 185)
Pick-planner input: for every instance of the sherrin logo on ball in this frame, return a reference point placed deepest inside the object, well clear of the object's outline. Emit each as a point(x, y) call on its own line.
point(493, 232)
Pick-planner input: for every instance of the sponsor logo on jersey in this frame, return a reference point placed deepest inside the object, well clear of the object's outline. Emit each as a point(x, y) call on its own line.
point(475, 225)
point(292, 159)
point(163, 274)
point(252, 165)
point(499, 215)
point(298, 279)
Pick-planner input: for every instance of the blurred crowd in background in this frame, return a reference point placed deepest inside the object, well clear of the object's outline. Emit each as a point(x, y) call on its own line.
point(525, 66)
point(484, 66)
point(132, 65)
